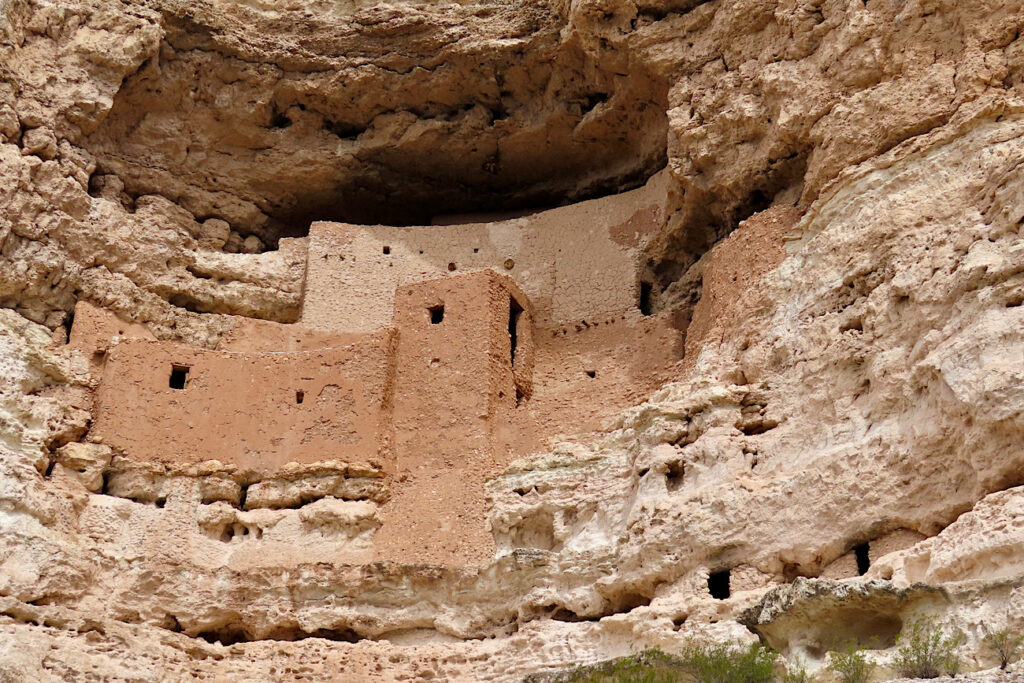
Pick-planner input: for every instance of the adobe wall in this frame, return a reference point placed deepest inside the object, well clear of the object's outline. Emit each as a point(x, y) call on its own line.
point(256, 410)
point(455, 387)
point(573, 262)
point(585, 372)
point(96, 330)
point(455, 376)
point(440, 404)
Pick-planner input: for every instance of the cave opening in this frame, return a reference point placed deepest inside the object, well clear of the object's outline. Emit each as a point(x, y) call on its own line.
point(863, 554)
point(718, 584)
point(674, 475)
point(69, 321)
point(224, 636)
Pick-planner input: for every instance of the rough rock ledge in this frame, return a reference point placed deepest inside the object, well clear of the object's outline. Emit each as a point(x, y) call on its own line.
point(411, 340)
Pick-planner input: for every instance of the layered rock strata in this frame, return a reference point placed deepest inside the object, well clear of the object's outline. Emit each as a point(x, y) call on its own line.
point(837, 454)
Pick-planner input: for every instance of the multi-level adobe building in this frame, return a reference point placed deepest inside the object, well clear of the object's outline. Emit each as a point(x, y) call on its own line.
point(441, 352)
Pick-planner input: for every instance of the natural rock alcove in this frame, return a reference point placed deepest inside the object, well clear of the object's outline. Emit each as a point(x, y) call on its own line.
point(391, 129)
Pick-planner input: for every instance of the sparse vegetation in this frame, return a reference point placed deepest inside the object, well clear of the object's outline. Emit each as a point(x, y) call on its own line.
point(650, 666)
point(926, 651)
point(796, 672)
point(732, 663)
point(851, 665)
point(1005, 644)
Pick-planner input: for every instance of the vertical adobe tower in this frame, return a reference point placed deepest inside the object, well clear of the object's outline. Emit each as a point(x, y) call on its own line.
point(464, 364)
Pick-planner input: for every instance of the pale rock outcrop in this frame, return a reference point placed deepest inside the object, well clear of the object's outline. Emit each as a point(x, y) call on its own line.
point(862, 382)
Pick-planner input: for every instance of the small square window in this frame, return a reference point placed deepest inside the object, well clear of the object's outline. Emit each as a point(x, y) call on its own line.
point(436, 314)
point(387, 250)
point(179, 376)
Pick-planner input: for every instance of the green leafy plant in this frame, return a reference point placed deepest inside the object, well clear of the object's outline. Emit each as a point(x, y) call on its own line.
point(926, 651)
point(731, 663)
point(1005, 644)
point(851, 665)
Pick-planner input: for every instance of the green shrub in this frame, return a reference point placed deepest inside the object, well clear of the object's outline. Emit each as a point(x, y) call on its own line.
point(851, 665)
point(925, 651)
point(1005, 644)
point(712, 664)
point(731, 664)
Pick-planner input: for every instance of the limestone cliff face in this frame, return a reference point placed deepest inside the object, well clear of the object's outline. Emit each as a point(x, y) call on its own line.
point(840, 226)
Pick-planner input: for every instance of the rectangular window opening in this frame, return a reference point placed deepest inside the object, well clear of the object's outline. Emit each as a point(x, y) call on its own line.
point(646, 289)
point(436, 314)
point(514, 311)
point(300, 396)
point(179, 376)
point(386, 250)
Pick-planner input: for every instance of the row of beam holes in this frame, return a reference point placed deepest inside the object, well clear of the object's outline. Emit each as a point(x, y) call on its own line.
point(584, 325)
point(718, 582)
point(509, 264)
point(451, 266)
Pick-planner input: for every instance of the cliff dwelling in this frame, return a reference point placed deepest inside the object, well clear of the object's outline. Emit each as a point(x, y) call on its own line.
point(437, 354)
point(521, 341)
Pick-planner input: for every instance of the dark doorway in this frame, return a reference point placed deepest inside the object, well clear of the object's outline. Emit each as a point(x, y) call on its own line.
point(863, 558)
point(514, 311)
point(645, 298)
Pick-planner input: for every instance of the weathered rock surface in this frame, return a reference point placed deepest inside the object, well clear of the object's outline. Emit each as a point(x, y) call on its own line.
point(854, 369)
